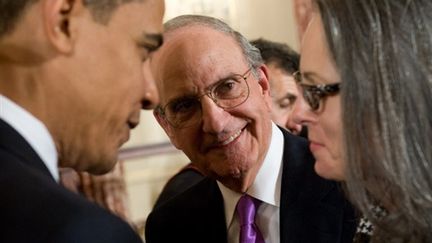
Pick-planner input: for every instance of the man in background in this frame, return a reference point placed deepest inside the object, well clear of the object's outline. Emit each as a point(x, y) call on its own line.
point(282, 62)
point(71, 89)
point(216, 108)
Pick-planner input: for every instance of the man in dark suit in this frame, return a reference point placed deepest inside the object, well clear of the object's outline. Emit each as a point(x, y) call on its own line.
point(216, 107)
point(71, 88)
point(188, 176)
point(281, 62)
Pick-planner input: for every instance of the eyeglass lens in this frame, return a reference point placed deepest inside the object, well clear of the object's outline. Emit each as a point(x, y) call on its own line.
point(227, 93)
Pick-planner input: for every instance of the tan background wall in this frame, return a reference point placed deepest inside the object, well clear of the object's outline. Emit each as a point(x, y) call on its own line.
point(271, 19)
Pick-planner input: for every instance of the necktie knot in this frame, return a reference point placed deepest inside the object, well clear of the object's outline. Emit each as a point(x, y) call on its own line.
point(247, 208)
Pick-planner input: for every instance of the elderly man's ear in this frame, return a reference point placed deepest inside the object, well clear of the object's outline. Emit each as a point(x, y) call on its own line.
point(60, 20)
point(265, 84)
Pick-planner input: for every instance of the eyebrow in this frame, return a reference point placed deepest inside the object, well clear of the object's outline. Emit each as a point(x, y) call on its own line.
point(180, 98)
point(312, 77)
point(288, 96)
point(152, 41)
point(195, 94)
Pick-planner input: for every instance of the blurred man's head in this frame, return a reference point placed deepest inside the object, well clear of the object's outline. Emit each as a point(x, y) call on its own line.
point(282, 62)
point(78, 67)
point(215, 101)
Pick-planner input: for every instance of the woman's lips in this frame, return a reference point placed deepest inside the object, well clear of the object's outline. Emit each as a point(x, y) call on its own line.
point(314, 146)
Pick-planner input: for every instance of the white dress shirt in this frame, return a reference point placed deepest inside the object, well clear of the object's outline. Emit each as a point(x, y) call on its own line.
point(33, 131)
point(267, 188)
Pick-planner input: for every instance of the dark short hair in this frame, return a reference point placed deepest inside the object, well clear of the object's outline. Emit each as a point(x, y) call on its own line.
point(12, 10)
point(279, 54)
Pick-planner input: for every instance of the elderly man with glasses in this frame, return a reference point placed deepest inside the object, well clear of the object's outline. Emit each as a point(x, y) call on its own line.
point(261, 186)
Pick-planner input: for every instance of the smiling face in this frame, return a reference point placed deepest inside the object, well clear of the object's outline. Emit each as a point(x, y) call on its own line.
point(103, 85)
point(324, 125)
point(230, 144)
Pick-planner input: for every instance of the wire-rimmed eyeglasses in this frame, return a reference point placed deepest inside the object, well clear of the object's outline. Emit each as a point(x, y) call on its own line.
point(227, 93)
point(314, 94)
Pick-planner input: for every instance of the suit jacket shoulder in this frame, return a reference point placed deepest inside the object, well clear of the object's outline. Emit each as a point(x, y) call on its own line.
point(36, 209)
point(195, 216)
point(179, 183)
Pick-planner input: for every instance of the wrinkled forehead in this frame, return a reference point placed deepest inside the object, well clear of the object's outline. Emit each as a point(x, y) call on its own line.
point(194, 57)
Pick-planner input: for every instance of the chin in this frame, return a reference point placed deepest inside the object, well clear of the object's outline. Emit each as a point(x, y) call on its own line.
point(224, 174)
point(327, 172)
point(101, 165)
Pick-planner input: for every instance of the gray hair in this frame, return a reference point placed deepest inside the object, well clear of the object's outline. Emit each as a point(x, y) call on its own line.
point(250, 52)
point(383, 50)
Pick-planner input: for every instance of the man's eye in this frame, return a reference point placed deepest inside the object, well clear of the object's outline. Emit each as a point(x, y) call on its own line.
point(227, 89)
point(285, 103)
point(183, 106)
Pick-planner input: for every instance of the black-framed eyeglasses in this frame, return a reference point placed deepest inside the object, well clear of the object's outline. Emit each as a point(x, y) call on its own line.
point(227, 93)
point(314, 94)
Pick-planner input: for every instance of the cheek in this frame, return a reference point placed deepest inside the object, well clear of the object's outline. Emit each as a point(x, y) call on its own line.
point(333, 134)
point(185, 140)
point(335, 125)
point(276, 117)
point(332, 129)
point(279, 117)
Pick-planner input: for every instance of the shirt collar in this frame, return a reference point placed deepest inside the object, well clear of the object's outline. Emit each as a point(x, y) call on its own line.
point(267, 184)
point(33, 131)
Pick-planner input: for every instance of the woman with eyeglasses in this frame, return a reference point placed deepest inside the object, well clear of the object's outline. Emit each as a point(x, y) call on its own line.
point(366, 78)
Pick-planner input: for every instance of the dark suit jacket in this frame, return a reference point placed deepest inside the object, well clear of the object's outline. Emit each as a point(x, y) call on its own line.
point(312, 210)
point(180, 182)
point(35, 208)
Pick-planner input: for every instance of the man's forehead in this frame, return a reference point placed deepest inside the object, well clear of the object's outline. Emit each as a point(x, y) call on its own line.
point(200, 36)
point(196, 54)
point(188, 80)
point(200, 51)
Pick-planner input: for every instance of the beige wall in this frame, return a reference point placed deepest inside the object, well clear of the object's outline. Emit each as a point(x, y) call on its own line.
point(271, 19)
point(145, 177)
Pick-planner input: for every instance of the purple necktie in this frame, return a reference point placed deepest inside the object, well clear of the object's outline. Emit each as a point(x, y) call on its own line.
point(247, 207)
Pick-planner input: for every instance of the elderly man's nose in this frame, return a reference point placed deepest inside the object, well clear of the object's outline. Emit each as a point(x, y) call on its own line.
point(214, 117)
